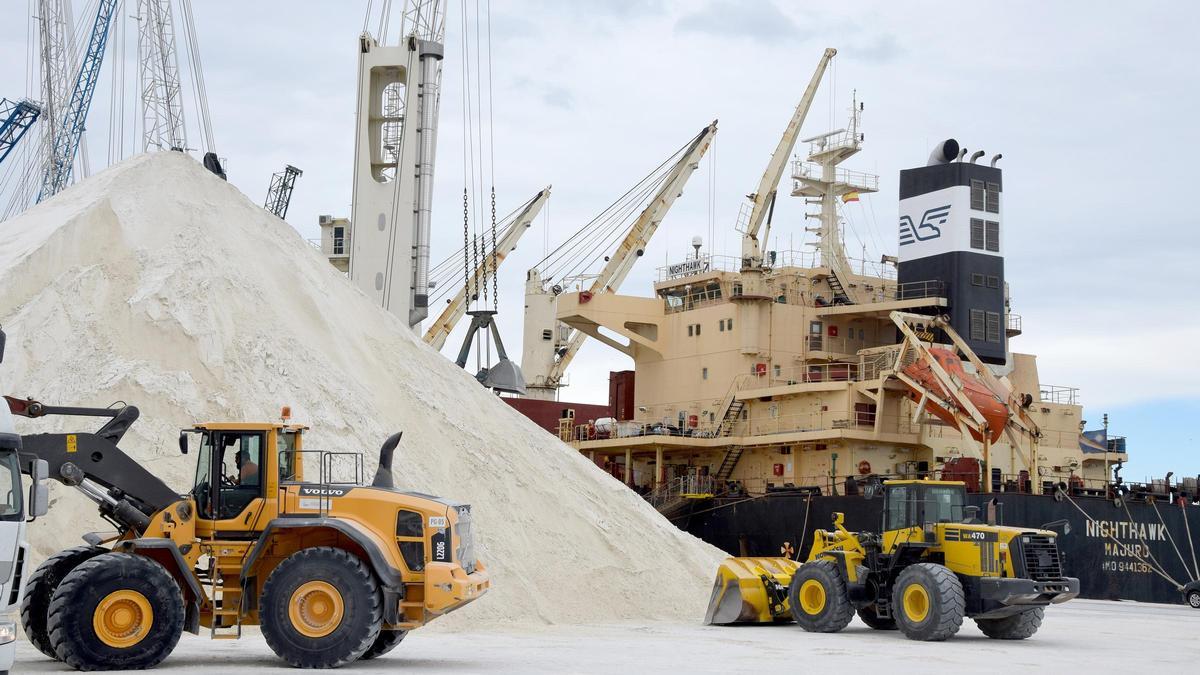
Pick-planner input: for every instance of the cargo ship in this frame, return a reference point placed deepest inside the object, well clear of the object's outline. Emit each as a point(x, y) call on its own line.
point(773, 388)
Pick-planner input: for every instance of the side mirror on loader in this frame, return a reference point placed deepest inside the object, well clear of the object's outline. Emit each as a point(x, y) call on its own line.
point(3, 339)
point(183, 443)
point(39, 490)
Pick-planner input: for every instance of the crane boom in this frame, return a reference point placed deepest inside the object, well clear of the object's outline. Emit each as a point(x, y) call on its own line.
point(634, 244)
point(15, 119)
point(762, 199)
point(66, 143)
point(454, 312)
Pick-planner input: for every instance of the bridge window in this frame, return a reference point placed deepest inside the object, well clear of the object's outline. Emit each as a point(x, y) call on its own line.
point(704, 373)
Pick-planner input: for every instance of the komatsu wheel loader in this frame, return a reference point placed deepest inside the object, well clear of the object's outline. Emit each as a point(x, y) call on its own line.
point(332, 571)
point(933, 564)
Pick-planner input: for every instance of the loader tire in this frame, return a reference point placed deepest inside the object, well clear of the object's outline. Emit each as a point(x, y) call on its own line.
point(117, 611)
point(868, 616)
point(818, 598)
point(386, 642)
point(1015, 627)
point(928, 602)
point(40, 587)
point(321, 608)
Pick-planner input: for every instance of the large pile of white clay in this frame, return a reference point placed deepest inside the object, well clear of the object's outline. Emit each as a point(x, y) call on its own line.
point(158, 284)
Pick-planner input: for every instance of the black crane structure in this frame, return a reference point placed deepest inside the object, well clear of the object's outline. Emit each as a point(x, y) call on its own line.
point(279, 196)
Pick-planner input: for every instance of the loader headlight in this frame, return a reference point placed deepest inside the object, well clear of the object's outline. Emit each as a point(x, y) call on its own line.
point(8, 632)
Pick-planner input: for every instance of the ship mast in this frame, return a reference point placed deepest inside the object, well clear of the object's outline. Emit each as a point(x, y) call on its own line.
point(822, 183)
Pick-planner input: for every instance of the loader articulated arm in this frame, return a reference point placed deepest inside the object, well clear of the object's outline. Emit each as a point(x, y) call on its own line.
point(125, 492)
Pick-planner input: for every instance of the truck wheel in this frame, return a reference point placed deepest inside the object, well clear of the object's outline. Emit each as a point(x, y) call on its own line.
point(1014, 627)
point(868, 616)
point(40, 588)
point(928, 602)
point(386, 642)
point(818, 598)
point(321, 608)
point(117, 611)
point(1193, 599)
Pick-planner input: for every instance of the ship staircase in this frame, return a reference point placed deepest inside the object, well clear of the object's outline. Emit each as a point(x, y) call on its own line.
point(839, 292)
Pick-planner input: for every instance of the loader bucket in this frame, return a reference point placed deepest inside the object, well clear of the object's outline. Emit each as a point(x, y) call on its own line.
point(751, 590)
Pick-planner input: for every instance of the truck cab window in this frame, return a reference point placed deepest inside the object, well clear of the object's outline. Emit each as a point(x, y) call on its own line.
point(10, 487)
point(234, 460)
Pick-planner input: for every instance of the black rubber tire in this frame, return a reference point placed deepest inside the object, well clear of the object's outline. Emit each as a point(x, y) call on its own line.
point(1015, 627)
point(1193, 599)
point(947, 603)
point(835, 612)
point(867, 616)
point(40, 587)
point(362, 614)
point(386, 642)
point(74, 604)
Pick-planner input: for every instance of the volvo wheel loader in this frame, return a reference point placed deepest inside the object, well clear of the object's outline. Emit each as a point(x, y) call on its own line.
point(933, 564)
point(332, 571)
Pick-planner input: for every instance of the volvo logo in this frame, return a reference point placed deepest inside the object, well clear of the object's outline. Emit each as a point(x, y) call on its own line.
point(930, 227)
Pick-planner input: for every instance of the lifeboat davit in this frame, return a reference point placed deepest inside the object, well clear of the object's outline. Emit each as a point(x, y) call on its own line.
point(991, 406)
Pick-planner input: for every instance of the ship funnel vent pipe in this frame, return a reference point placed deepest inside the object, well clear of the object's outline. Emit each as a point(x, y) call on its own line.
point(976, 155)
point(943, 153)
point(961, 154)
point(996, 158)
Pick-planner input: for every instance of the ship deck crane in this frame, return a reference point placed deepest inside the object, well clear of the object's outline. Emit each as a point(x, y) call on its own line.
point(762, 200)
point(70, 129)
point(546, 370)
point(456, 307)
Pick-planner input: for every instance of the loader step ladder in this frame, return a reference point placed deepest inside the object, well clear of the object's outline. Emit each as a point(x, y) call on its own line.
point(227, 604)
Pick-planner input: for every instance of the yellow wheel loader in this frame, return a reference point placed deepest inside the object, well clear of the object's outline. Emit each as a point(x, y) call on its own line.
point(333, 571)
point(933, 564)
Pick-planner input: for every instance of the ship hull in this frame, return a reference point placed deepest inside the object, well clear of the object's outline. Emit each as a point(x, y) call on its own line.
point(1106, 547)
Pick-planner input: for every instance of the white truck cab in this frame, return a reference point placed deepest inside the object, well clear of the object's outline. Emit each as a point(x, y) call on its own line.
point(16, 507)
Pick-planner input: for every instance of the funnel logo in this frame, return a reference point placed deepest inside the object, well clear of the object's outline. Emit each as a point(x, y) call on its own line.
point(929, 227)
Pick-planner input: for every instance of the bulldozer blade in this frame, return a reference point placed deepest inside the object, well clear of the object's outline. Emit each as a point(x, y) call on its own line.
point(751, 590)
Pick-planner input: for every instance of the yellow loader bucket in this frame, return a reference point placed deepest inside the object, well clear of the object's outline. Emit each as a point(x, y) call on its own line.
point(751, 590)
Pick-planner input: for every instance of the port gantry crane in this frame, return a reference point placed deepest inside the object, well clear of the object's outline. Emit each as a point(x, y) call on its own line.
point(456, 307)
point(15, 119)
point(57, 174)
point(548, 350)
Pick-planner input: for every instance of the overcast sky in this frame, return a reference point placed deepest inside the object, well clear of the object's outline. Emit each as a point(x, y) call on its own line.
point(1092, 104)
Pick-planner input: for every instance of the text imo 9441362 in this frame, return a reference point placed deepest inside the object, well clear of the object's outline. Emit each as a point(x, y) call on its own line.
point(332, 571)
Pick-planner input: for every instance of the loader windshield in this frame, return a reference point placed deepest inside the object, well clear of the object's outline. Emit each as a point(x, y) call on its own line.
point(944, 505)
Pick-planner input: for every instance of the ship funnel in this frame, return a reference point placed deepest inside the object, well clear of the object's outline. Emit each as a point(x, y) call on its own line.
point(962, 153)
point(976, 155)
point(996, 158)
point(944, 153)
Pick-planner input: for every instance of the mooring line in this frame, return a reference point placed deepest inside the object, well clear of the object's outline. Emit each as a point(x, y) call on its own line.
point(1125, 546)
point(1171, 538)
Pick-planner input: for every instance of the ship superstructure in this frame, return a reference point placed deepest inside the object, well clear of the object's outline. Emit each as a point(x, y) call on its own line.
point(788, 370)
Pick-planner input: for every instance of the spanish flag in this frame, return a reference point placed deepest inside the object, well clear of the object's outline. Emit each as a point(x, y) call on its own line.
point(849, 197)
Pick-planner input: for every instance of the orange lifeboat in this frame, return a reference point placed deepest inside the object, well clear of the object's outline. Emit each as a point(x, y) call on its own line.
point(991, 406)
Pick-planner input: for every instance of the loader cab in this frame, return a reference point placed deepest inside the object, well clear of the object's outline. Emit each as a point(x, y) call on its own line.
point(912, 505)
point(239, 468)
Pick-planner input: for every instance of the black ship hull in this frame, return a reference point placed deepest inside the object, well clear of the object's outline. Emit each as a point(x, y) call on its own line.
point(1117, 552)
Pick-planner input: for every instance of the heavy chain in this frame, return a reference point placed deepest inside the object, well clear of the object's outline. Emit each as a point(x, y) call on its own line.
point(495, 252)
point(466, 239)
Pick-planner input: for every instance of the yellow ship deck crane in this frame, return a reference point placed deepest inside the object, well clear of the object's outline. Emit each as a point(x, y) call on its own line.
point(456, 307)
point(549, 346)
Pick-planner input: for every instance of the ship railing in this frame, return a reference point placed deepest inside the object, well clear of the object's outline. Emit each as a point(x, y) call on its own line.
point(779, 259)
point(683, 487)
point(334, 246)
point(1051, 393)
point(867, 182)
point(828, 421)
point(1013, 324)
point(840, 371)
